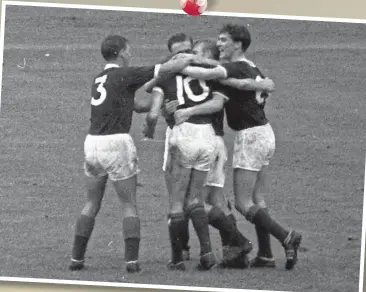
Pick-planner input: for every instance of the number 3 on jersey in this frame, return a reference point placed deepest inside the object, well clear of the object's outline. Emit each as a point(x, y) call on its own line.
point(184, 88)
point(100, 81)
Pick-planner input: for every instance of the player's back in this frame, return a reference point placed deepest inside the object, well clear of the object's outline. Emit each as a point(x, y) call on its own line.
point(113, 92)
point(191, 142)
point(245, 109)
point(188, 92)
point(112, 103)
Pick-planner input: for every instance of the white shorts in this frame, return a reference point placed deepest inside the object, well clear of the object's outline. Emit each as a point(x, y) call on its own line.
point(112, 155)
point(254, 147)
point(192, 145)
point(216, 176)
point(166, 148)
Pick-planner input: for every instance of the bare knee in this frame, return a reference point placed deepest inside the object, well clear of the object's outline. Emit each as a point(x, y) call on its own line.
point(194, 201)
point(243, 205)
point(260, 203)
point(212, 194)
point(126, 192)
point(130, 212)
point(208, 208)
point(95, 194)
point(176, 207)
point(91, 208)
point(242, 208)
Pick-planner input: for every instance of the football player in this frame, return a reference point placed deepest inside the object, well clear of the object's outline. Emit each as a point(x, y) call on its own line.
point(254, 144)
point(109, 150)
point(217, 217)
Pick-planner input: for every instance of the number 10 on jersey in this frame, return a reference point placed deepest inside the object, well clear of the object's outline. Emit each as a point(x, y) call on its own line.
point(184, 89)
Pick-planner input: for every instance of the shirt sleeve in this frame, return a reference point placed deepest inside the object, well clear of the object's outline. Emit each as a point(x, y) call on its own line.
point(219, 89)
point(238, 70)
point(158, 89)
point(138, 76)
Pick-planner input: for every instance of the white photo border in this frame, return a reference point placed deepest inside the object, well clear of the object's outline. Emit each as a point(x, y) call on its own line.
point(169, 11)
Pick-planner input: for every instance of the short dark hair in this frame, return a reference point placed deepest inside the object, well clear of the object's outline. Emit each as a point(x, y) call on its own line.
point(112, 45)
point(238, 33)
point(178, 38)
point(210, 46)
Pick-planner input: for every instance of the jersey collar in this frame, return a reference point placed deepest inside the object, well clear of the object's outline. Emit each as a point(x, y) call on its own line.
point(109, 66)
point(242, 59)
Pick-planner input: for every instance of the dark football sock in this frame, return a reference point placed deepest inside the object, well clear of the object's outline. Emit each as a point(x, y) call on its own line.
point(131, 234)
point(262, 218)
point(230, 234)
point(218, 220)
point(264, 241)
point(177, 224)
point(199, 219)
point(83, 231)
point(232, 219)
point(185, 234)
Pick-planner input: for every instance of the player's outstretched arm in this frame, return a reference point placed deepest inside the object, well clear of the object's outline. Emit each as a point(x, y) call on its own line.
point(175, 64)
point(153, 114)
point(136, 77)
point(209, 107)
point(266, 85)
point(205, 61)
point(201, 73)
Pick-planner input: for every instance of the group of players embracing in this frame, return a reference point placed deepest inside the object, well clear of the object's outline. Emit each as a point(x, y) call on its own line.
point(194, 88)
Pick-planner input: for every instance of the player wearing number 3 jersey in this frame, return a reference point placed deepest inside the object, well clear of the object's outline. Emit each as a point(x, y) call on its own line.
point(254, 145)
point(109, 149)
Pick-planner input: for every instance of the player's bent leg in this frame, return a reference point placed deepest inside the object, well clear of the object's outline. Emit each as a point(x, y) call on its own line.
point(196, 212)
point(196, 150)
point(259, 216)
point(289, 239)
point(85, 222)
point(264, 258)
point(253, 150)
point(233, 242)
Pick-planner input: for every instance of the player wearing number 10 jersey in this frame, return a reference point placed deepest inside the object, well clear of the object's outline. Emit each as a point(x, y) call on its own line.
point(254, 145)
point(192, 152)
point(233, 241)
point(109, 149)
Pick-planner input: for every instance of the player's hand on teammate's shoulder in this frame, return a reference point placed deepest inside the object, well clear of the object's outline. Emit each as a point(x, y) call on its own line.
point(178, 62)
point(182, 116)
point(171, 107)
point(205, 61)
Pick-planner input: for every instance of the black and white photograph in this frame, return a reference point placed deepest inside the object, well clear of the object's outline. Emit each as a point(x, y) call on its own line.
point(156, 149)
